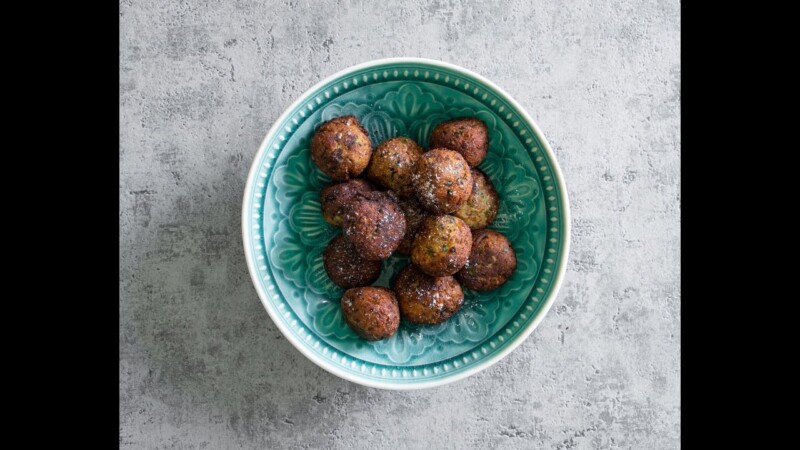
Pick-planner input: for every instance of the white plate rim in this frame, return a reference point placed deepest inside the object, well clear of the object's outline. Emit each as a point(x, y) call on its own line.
point(488, 362)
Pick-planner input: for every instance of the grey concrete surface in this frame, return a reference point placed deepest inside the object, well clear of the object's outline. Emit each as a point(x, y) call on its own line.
point(201, 364)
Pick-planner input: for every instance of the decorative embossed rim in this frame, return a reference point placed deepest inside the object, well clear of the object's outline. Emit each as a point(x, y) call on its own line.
point(271, 297)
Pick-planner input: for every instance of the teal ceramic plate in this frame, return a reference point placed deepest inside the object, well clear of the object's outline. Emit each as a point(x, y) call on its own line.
point(285, 234)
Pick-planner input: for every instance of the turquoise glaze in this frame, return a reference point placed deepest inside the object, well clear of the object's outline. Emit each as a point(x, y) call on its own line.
point(285, 234)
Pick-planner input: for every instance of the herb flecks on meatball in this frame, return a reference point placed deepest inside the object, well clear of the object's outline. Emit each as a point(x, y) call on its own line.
point(424, 299)
point(442, 181)
point(341, 148)
point(334, 197)
point(469, 136)
point(442, 245)
point(346, 267)
point(375, 224)
point(371, 311)
point(481, 207)
point(491, 263)
point(393, 163)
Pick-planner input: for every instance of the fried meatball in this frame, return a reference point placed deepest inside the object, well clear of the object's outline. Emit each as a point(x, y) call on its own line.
point(468, 136)
point(481, 207)
point(442, 245)
point(335, 196)
point(425, 299)
point(341, 148)
point(371, 312)
point(491, 263)
point(415, 215)
point(345, 266)
point(442, 180)
point(393, 163)
point(374, 224)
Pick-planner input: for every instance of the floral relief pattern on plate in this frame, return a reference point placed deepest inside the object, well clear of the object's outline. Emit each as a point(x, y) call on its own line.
point(302, 233)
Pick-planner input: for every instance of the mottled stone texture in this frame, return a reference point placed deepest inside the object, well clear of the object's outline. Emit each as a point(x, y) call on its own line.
point(201, 364)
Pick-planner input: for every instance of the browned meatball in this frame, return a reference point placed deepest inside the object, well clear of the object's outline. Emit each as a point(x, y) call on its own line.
point(442, 180)
point(346, 267)
point(425, 299)
point(393, 163)
point(442, 245)
point(374, 224)
point(467, 135)
point(481, 207)
point(334, 197)
point(491, 263)
point(341, 148)
point(371, 312)
point(415, 215)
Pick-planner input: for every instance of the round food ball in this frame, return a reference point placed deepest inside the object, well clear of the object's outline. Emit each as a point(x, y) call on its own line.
point(425, 299)
point(335, 196)
point(442, 181)
point(415, 215)
point(374, 224)
point(341, 148)
point(346, 267)
point(466, 135)
point(491, 263)
point(481, 207)
point(442, 245)
point(371, 312)
point(393, 163)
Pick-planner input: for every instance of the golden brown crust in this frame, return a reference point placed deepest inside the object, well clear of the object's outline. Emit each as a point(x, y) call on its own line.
point(442, 180)
point(341, 148)
point(335, 196)
point(491, 263)
point(345, 267)
point(392, 164)
point(469, 136)
point(371, 311)
point(425, 299)
point(374, 224)
point(415, 214)
point(481, 207)
point(442, 245)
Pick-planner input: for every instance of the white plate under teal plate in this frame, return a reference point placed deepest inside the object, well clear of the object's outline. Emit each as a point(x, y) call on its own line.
point(284, 233)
